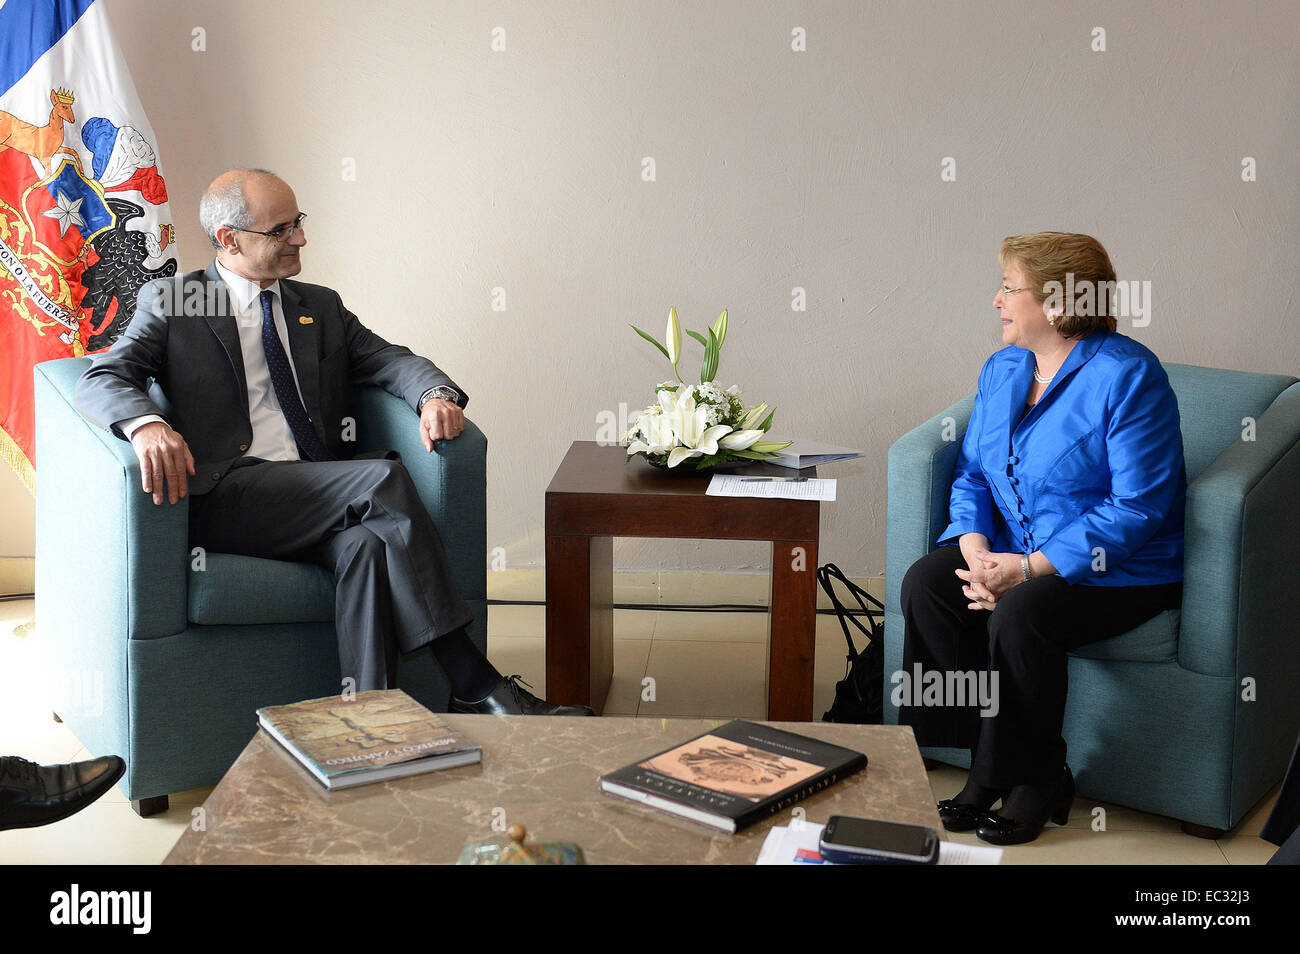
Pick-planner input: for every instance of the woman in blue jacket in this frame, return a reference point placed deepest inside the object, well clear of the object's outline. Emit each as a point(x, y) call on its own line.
point(1066, 528)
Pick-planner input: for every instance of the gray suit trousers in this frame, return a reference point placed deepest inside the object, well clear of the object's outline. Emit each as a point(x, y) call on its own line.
point(362, 520)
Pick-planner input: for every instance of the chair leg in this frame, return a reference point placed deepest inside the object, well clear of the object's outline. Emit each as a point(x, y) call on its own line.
point(1201, 831)
point(145, 807)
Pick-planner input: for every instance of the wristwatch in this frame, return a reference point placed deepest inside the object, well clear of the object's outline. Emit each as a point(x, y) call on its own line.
point(441, 391)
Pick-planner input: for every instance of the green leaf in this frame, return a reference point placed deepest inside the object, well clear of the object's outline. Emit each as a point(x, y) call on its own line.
point(751, 455)
point(699, 337)
point(720, 328)
point(650, 338)
point(710, 365)
point(767, 422)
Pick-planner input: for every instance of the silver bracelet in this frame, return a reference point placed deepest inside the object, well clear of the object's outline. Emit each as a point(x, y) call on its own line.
point(1024, 566)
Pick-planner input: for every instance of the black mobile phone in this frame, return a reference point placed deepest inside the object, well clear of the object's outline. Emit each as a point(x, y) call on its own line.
point(868, 841)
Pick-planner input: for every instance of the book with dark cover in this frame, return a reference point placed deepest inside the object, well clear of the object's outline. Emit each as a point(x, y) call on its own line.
point(734, 775)
point(373, 736)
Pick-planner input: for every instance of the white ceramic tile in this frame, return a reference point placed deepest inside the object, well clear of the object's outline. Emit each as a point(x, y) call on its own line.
point(525, 585)
point(630, 659)
point(508, 620)
point(1243, 849)
point(1253, 821)
point(711, 627)
point(530, 622)
point(706, 680)
point(522, 655)
point(107, 832)
point(634, 624)
point(1073, 846)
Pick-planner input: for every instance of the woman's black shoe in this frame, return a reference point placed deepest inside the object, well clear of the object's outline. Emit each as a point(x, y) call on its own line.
point(997, 830)
point(958, 817)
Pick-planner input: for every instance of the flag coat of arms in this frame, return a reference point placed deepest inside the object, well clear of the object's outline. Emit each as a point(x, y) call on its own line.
point(84, 221)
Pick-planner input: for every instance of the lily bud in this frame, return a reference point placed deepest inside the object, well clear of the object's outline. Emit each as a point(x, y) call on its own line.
point(673, 337)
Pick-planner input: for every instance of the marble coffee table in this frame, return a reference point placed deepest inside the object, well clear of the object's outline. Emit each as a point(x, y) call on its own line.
point(538, 772)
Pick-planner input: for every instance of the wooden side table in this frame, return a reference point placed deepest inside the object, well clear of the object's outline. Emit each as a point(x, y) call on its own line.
point(596, 495)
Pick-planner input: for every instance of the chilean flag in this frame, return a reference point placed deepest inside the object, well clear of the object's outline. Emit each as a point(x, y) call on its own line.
point(84, 221)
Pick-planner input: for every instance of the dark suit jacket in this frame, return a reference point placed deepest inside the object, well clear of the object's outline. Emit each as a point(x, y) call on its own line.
point(180, 359)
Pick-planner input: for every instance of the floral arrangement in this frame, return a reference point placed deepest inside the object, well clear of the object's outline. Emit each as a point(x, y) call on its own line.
point(699, 422)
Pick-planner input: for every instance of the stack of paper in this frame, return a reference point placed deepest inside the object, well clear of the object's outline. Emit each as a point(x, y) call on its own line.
point(804, 453)
point(788, 488)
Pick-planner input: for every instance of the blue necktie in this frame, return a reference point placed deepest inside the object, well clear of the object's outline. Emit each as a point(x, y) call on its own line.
point(286, 391)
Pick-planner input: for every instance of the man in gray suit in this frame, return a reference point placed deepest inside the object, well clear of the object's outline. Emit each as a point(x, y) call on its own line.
point(255, 373)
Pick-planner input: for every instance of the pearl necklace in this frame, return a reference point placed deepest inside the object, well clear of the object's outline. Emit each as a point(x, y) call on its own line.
point(1039, 378)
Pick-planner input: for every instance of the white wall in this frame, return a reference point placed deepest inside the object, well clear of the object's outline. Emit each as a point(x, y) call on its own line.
point(775, 169)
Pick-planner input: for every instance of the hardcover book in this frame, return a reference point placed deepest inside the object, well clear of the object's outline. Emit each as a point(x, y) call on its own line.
point(377, 735)
point(734, 775)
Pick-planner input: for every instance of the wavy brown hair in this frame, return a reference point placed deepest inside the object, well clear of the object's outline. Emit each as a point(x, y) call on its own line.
point(1048, 257)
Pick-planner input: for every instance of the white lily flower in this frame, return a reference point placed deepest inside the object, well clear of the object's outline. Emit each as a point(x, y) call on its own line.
point(656, 429)
point(740, 440)
point(689, 425)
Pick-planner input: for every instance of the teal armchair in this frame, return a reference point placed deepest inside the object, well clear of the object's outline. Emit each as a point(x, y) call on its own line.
point(162, 655)
point(1193, 714)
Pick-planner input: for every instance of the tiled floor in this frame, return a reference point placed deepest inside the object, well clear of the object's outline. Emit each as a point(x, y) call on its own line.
point(666, 663)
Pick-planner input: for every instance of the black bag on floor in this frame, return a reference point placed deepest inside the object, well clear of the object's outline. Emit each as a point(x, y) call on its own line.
point(859, 696)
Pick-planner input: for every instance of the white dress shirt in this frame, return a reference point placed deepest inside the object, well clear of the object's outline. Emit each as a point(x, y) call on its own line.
point(272, 436)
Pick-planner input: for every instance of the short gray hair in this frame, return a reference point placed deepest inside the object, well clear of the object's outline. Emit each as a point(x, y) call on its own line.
point(228, 205)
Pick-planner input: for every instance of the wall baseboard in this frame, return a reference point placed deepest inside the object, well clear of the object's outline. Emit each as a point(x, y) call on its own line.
point(17, 575)
point(669, 587)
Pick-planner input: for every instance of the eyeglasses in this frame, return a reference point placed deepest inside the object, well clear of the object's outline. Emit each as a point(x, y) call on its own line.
point(280, 234)
point(1011, 291)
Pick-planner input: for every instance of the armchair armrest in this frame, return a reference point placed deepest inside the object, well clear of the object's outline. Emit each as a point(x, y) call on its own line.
point(452, 480)
point(921, 465)
point(108, 561)
point(1240, 599)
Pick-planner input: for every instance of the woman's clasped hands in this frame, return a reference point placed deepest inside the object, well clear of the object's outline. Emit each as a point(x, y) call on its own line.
point(990, 575)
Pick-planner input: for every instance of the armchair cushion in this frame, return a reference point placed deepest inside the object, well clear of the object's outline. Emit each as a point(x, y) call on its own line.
point(1156, 640)
point(227, 590)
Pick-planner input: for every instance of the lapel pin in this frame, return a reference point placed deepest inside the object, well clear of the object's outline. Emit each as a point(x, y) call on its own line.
point(305, 320)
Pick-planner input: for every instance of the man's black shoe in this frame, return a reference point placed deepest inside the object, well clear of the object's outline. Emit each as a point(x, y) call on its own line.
point(510, 698)
point(32, 794)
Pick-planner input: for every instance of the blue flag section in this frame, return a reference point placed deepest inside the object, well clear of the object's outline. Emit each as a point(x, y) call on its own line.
point(84, 222)
point(28, 28)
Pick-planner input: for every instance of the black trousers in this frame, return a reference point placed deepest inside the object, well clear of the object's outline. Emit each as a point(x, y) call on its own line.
point(1024, 640)
point(364, 521)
